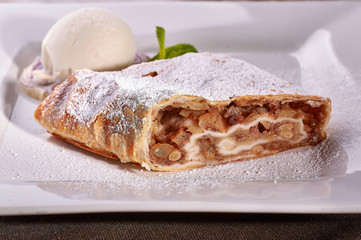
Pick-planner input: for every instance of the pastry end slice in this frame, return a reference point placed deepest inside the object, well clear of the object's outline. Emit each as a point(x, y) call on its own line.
point(192, 132)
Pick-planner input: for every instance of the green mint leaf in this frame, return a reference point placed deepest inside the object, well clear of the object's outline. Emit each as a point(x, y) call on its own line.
point(170, 52)
point(175, 51)
point(179, 49)
point(161, 41)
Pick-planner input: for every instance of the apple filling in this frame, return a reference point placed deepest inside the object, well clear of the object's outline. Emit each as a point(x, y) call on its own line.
point(210, 133)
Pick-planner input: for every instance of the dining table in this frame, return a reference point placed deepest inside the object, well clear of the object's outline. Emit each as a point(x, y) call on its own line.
point(173, 225)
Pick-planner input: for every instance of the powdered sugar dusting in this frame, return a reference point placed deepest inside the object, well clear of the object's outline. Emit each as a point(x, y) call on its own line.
point(88, 96)
point(323, 73)
point(214, 77)
point(65, 170)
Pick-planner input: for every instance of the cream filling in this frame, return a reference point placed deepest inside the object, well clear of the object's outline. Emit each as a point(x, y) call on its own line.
point(227, 146)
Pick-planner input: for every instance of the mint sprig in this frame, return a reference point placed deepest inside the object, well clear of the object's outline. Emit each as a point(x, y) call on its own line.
point(161, 41)
point(170, 52)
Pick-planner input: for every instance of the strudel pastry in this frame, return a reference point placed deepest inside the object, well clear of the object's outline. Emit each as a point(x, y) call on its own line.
point(187, 112)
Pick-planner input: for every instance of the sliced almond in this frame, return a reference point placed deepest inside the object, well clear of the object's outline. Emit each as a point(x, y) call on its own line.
point(161, 150)
point(285, 130)
point(175, 155)
point(257, 149)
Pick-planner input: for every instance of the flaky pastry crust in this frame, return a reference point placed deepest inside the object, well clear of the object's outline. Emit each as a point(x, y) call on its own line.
point(184, 113)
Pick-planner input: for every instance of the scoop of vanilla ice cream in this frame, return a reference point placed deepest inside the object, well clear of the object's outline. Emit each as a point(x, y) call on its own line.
point(88, 38)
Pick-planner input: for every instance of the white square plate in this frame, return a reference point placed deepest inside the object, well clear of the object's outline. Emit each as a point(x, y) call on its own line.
point(313, 44)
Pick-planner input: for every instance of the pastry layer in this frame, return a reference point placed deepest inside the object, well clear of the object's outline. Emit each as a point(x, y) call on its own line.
point(214, 133)
point(182, 113)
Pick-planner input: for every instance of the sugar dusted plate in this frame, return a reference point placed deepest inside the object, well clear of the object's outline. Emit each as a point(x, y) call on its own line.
point(41, 175)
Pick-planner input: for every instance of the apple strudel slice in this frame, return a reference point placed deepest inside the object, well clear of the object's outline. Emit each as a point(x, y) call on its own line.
point(187, 112)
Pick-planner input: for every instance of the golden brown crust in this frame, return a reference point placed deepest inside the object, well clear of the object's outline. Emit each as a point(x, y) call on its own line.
point(121, 126)
point(96, 137)
point(101, 152)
